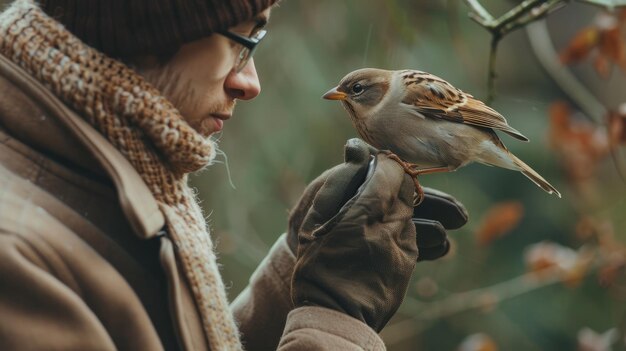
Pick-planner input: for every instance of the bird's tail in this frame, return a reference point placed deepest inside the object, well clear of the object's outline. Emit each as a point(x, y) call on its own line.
point(534, 176)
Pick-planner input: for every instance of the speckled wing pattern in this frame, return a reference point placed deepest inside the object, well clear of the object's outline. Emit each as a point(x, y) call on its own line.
point(433, 97)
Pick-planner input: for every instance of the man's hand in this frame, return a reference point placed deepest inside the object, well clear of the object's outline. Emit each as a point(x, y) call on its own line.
point(356, 240)
point(437, 213)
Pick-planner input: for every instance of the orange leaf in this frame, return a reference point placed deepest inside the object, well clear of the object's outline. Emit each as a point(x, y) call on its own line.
point(499, 220)
point(602, 66)
point(615, 267)
point(541, 256)
point(580, 46)
point(611, 44)
point(561, 126)
point(580, 144)
point(547, 256)
point(617, 126)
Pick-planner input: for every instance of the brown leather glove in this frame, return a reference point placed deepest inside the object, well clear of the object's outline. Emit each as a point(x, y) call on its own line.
point(437, 213)
point(357, 245)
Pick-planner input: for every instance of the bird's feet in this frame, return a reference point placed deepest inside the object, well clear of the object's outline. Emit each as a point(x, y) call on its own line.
point(411, 169)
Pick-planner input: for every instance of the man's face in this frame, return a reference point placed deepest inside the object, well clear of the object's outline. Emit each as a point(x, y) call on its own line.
point(200, 79)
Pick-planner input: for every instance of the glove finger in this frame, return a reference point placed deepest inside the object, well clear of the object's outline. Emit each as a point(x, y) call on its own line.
point(433, 253)
point(442, 208)
point(298, 213)
point(357, 151)
point(386, 183)
point(429, 233)
point(339, 186)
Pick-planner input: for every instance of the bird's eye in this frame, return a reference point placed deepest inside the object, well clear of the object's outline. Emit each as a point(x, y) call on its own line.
point(357, 88)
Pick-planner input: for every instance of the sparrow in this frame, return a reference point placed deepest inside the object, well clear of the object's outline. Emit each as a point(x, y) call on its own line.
point(426, 124)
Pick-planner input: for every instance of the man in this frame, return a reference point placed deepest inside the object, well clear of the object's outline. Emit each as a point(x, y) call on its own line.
point(105, 108)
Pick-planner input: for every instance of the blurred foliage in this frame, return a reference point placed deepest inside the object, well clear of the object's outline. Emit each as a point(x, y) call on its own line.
point(546, 274)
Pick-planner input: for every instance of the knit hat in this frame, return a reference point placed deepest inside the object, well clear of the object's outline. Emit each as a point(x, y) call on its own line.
point(128, 28)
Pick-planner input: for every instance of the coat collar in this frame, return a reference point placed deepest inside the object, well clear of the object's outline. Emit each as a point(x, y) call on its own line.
point(96, 154)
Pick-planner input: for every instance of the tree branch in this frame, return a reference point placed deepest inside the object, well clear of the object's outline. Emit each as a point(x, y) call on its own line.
point(482, 298)
point(479, 14)
point(515, 13)
point(522, 14)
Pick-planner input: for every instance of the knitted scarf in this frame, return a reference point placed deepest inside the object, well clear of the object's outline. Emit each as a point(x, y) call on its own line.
point(145, 127)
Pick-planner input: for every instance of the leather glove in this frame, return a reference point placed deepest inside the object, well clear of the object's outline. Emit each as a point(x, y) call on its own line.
point(437, 213)
point(356, 241)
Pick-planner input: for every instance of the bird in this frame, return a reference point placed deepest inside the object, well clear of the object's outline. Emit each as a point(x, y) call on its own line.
point(426, 124)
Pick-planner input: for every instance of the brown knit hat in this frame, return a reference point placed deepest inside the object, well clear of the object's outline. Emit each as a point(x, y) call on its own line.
point(128, 28)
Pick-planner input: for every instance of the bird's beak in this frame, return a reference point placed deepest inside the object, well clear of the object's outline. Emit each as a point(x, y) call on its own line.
point(334, 94)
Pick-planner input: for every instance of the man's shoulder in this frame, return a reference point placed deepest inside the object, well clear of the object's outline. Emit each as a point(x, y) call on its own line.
point(21, 216)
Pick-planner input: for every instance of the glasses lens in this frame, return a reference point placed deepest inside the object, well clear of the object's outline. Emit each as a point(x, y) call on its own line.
point(247, 51)
point(242, 59)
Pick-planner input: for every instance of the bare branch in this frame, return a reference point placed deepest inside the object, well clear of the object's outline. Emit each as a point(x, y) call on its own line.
point(521, 15)
point(516, 12)
point(534, 15)
point(491, 75)
point(464, 301)
point(479, 14)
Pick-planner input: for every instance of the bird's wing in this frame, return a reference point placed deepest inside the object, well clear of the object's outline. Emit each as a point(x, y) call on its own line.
point(435, 98)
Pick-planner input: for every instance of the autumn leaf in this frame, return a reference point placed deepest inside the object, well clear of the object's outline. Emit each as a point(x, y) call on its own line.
point(580, 144)
point(546, 255)
point(617, 125)
point(574, 274)
point(614, 268)
point(611, 45)
point(560, 124)
point(604, 38)
point(498, 221)
point(602, 66)
point(571, 265)
point(580, 46)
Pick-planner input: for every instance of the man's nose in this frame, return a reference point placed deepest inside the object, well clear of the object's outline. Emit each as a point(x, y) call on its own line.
point(244, 85)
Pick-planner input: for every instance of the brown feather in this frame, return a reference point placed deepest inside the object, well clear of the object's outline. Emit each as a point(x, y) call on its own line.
point(433, 97)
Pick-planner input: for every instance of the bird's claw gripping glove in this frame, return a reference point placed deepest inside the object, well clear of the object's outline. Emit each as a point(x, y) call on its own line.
point(437, 213)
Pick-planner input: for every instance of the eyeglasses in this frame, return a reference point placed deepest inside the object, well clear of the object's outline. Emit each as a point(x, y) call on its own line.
point(249, 45)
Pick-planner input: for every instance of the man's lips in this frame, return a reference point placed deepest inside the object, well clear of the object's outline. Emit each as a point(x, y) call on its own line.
point(214, 123)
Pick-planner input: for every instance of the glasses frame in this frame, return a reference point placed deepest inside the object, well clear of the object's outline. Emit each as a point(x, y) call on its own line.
point(249, 45)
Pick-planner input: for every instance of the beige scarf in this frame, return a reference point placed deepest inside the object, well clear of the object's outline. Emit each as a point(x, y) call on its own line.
point(145, 128)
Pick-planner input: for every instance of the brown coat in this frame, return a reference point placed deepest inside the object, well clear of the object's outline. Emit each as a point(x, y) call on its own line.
point(84, 264)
